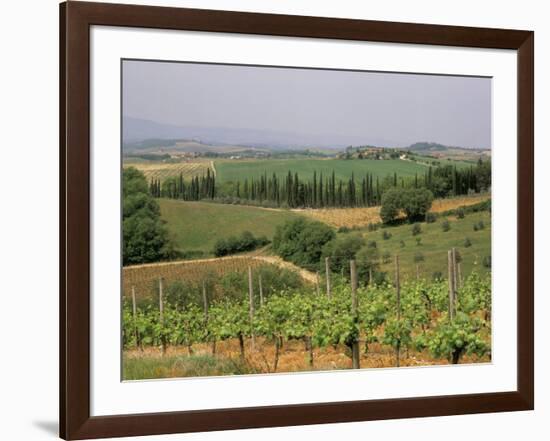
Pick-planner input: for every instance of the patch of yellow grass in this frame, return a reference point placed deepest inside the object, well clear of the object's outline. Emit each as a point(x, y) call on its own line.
point(440, 205)
point(361, 217)
point(164, 170)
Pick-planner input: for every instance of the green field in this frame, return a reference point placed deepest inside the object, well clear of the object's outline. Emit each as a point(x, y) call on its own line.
point(434, 245)
point(196, 226)
point(237, 170)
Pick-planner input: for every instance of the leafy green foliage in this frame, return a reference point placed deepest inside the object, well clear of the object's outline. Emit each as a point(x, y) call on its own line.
point(413, 202)
point(301, 241)
point(479, 226)
point(391, 204)
point(453, 339)
point(416, 202)
point(274, 280)
point(238, 244)
point(341, 250)
point(302, 314)
point(145, 237)
point(431, 218)
point(397, 334)
point(419, 257)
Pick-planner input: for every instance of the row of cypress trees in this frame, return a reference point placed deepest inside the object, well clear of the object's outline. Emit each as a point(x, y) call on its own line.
point(203, 187)
point(322, 191)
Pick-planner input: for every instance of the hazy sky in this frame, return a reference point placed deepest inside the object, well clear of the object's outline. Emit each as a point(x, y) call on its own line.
point(367, 106)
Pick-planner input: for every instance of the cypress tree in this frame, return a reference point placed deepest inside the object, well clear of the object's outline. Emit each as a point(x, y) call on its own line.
point(320, 197)
point(314, 189)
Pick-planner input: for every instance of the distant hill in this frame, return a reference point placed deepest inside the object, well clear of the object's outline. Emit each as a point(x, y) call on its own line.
point(427, 146)
point(135, 131)
point(436, 147)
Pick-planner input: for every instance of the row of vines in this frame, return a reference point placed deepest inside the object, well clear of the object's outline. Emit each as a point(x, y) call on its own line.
point(448, 320)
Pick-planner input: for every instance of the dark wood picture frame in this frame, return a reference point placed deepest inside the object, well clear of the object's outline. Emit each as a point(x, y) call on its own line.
point(75, 21)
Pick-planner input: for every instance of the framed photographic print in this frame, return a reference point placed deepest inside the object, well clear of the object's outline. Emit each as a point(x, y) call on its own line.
point(274, 220)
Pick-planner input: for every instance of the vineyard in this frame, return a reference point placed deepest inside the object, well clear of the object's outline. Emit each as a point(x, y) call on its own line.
point(144, 278)
point(163, 170)
point(335, 324)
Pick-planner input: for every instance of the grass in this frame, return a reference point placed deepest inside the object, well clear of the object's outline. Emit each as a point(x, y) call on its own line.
point(196, 226)
point(434, 245)
point(361, 217)
point(200, 365)
point(164, 170)
point(149, 363)
point(237, 170)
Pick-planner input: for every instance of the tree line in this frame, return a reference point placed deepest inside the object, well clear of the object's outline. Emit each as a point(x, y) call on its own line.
point(203, 187)
point(324, 191)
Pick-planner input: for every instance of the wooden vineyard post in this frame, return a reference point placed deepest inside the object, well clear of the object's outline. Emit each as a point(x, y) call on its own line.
point(251, 304)
point(370, 276)
point(134, 312)
point(161, 317)
point(451, 284)
point(204, 301)
point(455, 271)
point(327, 275)
point(261, 290)
point(398, 292)
point(205, 306)
point(354, 306)
point(417, 272)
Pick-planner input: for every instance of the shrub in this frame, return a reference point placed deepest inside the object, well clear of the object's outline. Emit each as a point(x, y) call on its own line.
point(418, 257)
point(467, 242)
point(418, 241)
point(238, 244)
point(479, 225)
point(371, 244)
point(414, 202)
point(445, 225)
point(372, 227)
point(460, 213)
point(341, 250)
point(391, 204)
point(301, 241)
point(368, 261)
point(486, 262)
point(386, 257)
point(344, 229)
point(386, 235)
point(430, 218)
point(437, 276)
point(274, 279)
point(379, 277)
point(402, 244)
point(416, 229)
